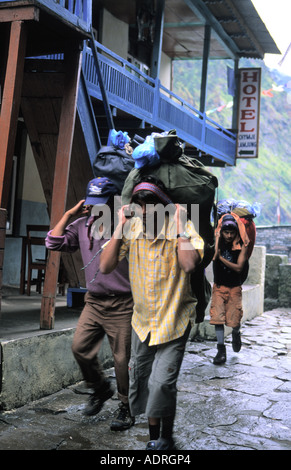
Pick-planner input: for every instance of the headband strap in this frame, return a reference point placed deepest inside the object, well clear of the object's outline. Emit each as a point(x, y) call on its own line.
point(154, 189)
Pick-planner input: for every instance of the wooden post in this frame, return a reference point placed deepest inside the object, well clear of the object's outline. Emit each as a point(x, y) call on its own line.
point(61, 178)
point(8, 122)
point(10, 105)
point(204, 74)
point(158, 39)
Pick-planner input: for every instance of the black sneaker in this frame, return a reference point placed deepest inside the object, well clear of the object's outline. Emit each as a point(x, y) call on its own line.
point(236, 341)
point(161, 444)
point(123, 420)
point(97, 400)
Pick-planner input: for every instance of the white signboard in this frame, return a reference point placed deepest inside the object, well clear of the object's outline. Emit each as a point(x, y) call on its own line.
point(249, 113)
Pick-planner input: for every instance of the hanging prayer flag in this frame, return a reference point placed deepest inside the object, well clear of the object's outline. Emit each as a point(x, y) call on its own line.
point(268, 93)
point(277, 87)
point(220, 108)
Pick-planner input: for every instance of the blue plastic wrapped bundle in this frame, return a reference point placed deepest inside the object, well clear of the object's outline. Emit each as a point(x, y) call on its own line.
point(239, 207)
point(146, 154)
point(225, 206)
point(118, 139)
point(244, 209)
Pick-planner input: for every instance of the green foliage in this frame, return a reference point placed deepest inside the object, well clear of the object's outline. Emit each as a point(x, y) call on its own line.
point(254, 180)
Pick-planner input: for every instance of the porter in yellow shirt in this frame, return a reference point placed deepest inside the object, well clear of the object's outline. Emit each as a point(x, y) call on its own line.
point(163, 301)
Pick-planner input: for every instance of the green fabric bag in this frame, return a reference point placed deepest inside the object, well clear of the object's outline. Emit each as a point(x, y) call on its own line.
point(168, 146)
point(187, 182)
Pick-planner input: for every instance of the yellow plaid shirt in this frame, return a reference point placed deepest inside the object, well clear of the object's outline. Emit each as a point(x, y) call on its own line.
point(163, 301)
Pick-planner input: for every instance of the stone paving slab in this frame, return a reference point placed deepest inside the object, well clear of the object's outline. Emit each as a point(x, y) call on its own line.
point(242, 405)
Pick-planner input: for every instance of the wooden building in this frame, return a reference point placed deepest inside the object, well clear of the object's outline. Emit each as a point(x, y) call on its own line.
point(71, 70)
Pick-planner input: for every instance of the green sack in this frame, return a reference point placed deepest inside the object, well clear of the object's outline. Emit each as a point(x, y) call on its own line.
point(168, 146)
point(187, 182)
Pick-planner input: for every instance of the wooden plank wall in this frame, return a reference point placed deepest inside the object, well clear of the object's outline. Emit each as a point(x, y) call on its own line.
point(41, 106)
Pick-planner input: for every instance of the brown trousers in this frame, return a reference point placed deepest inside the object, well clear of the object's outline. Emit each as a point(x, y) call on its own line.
point(111, 316)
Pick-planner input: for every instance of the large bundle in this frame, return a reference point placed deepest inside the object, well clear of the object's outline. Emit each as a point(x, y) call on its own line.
point(240, 207)
point(246, 212)
point(187, 182)
point(115, 161)
point(114, 164)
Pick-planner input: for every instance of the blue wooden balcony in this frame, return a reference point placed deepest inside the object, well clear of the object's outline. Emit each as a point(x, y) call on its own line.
point(78, 13)
point(134, 92)
point(137, 94)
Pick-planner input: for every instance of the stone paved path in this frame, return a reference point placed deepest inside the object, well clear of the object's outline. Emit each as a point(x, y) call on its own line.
point(242, 405)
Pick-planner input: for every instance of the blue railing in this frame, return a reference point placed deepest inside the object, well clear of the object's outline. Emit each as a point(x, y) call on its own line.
point(136, 93)
point(76, 12)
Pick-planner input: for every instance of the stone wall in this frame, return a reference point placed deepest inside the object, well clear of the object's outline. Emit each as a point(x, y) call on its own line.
point(285, 285)
point(277, 282)
point(276, 239)
point(37, 366)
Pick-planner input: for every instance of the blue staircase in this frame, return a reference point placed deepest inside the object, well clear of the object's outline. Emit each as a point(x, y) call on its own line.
point(145, 100)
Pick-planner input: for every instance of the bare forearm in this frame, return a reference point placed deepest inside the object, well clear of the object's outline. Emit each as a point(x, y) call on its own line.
point(188, 257)
point(59, 229)
point(109, 255)
point(237, 267)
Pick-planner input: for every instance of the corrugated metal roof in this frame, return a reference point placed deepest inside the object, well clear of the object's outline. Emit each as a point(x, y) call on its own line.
point(238, 23)
point(237, 29)
point(257, 26)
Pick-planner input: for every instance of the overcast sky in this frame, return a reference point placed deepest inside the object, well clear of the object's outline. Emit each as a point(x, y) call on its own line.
point(277, 17)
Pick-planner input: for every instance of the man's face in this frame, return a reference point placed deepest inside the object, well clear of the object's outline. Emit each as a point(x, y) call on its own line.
point(152, 214)
point(229, 235)
point(146, 211)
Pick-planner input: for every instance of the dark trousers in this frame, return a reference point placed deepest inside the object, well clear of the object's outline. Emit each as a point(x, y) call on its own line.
point(153, 373)
point(102, 316)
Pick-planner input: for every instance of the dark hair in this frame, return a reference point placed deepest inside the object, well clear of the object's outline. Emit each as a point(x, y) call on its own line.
point(229, 223)
point(148, 197)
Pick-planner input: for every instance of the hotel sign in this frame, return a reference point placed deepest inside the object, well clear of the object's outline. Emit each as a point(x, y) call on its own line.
point(248, 113)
